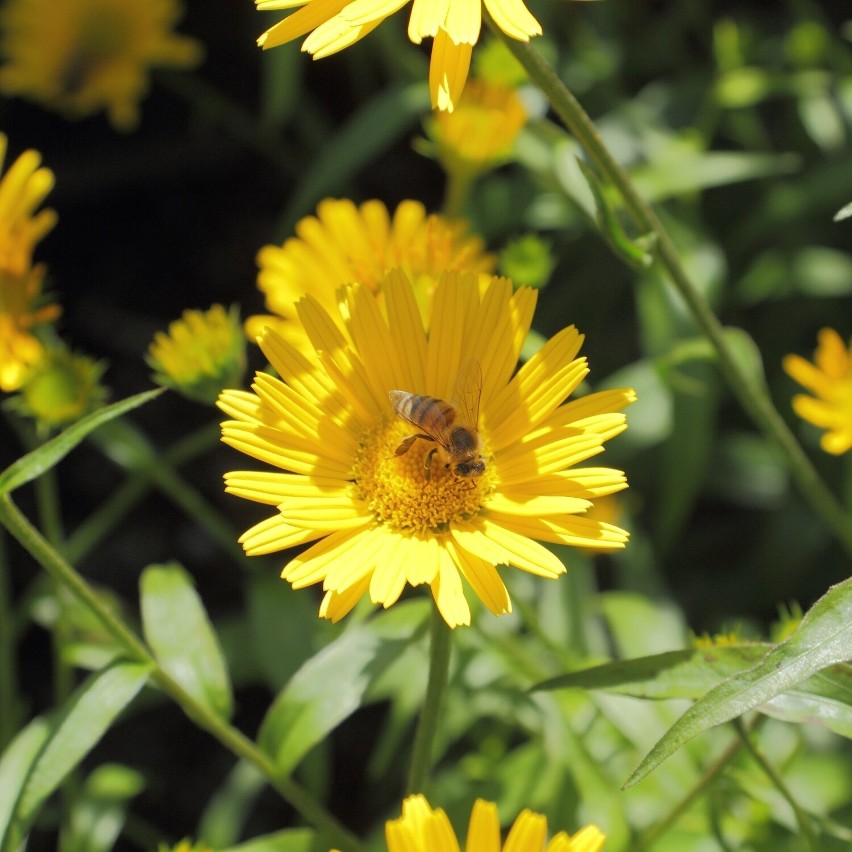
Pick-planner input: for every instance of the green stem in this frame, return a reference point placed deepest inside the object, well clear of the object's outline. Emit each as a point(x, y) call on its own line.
point(440, 645)
point(456, 192)
point(802, 818)
point(10, 704)
point(682, 805)
point(234, 740)
point(747, 388)
point(164, 476)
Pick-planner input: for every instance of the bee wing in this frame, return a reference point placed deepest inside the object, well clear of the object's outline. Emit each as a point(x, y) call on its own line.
point(435, 425)
point(468, 392)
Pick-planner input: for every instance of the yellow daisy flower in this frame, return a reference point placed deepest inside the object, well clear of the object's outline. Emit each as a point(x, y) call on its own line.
point(452, 24)
point(829, 378)
point(22, 189)
point(386, 509)
point(422, 829)
point(79, 56)
point(480, 133)
point(203, 352)
point(344, 243)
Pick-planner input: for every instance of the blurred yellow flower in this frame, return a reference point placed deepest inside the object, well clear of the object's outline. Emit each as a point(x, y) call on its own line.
point(61, 388)
point(203, 353)
point(453, 25)
point(386, 510)
point(80, 56)
point(22, 189)
point(480, 133)
point(422, 829)
point(829, 378)
point(344, 243)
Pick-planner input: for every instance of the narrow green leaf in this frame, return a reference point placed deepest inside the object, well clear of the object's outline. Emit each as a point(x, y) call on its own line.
point(34, 464)
point(844, 212)
point(689, 673)
point(331, 685)
point(822, 639)
point(15, 765)
point(372, 129)
point(84, 719)
point(176, 627)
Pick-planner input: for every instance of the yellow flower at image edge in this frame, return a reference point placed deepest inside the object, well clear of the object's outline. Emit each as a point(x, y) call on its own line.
point(454, 26)
point(829, 378)
point(80, 56)
point(381, 519)
point(344, 243)
point(422, 829)
point(203, 352)
point(22, 189)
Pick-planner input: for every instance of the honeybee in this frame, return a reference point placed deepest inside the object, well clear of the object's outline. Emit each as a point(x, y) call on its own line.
point(453, 430)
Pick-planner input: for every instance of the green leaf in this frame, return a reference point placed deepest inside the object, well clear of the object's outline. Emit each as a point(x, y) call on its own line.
point(331, 686)
point(34, 464)
point(689, 673)
point(288, 840)
point(844, 212)
point(690, 170)
point(15, 766)
point(84, 719)
point(99, 811)
point(822, 639)
point(824, 699)
point(226, 811)
point(372, 130)
point(176, 627)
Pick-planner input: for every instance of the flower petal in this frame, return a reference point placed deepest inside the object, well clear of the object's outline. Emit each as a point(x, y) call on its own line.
point(513, 17)
point(448, 593)
point(502, 546)
point(308, 18)
point(274, 534)
point(448, 69)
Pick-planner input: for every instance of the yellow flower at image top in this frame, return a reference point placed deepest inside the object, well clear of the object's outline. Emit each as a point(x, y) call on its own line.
point(396, 486)
point(345, 243)
point(204, 352)
point(422, 829)
point(829, 379)
point(23, 187)
point(453, 25)
point(81, 56)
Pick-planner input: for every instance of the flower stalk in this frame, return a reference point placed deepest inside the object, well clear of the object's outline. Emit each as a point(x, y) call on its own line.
point(751, 395)
point(234, 740)
point(440, 646)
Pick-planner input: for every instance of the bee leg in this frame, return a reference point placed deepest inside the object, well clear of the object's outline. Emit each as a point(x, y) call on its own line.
point(427, 463)
point(405, 445)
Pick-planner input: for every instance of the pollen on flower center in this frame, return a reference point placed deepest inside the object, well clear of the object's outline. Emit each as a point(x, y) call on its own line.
point(397, 490)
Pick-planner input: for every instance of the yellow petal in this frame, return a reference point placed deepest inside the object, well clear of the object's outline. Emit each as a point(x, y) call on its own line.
point(272, 535)
point(449, 595)
point(483, 578)
point(513, 17)
point(426, 19)
point(448, 69)
point(463, 21)
point(309, 17)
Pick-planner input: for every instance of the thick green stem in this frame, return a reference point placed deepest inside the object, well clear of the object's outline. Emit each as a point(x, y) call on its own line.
point(65, 575)
point(802, 819)
point(10, 704)
point(440, 646)
point(747, 388)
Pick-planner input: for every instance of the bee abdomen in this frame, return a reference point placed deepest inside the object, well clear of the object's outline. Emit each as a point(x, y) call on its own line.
point(417, 408)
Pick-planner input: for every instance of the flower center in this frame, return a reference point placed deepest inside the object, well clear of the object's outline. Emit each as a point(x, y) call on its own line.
point(401, 493)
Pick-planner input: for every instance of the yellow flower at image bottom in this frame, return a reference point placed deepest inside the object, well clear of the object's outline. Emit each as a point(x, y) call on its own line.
point(80, 56)
point(381, 518)
point(343, 243)
point(422, 829)
point(453, 25)
point(829, 379)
